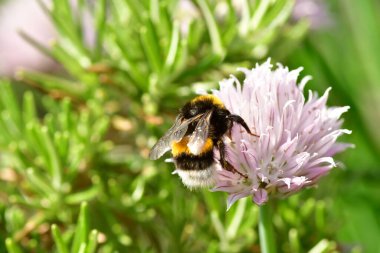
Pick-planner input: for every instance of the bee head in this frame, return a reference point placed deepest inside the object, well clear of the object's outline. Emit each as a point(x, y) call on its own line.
point(199, 105)
point(190, 110)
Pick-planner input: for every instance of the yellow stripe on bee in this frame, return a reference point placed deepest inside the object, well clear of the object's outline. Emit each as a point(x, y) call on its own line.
point(215, 100)
point(181, 146)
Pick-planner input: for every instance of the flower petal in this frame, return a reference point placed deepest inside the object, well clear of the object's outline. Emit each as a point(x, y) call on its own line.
point(260, 196)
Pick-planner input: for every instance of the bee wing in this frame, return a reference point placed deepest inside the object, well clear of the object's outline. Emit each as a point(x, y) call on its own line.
point(199, 136)
point(175, 133)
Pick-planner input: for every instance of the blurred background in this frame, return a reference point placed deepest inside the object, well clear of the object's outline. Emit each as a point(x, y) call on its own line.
point(87, 87)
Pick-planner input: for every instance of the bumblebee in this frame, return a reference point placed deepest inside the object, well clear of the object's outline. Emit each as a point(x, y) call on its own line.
point(199, 128)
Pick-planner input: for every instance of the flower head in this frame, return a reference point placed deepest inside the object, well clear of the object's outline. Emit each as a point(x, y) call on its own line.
point(297, 137)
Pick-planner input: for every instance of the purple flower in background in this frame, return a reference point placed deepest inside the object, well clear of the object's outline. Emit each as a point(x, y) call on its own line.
point(15, 52)
point(315, 11)
point(27, 16)
point(185, 14)
point(297, 137)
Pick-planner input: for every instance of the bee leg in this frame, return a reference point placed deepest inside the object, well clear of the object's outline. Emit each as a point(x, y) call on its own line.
point(222, 151)
point(237, 119)
point(225, 164)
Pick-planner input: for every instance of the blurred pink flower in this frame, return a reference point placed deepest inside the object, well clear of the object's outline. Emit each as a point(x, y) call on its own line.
point(315, 11)
point(27, 16)
point(297, 138)
point(185, 14)
point(15, 52)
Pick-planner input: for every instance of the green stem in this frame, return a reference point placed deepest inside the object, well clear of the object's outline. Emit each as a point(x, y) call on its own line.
point(267, 241)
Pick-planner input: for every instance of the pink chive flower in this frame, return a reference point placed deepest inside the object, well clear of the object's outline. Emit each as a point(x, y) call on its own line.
point(297, 136)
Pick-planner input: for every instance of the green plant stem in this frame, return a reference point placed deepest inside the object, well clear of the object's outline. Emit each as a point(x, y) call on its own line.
point(267, 241)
